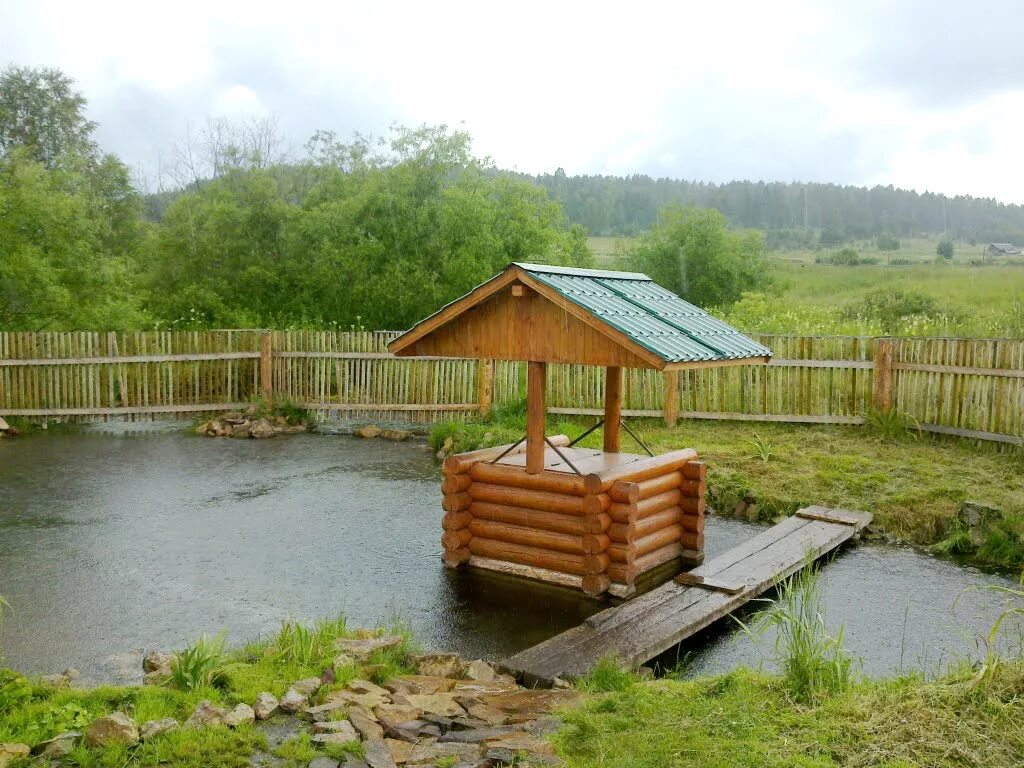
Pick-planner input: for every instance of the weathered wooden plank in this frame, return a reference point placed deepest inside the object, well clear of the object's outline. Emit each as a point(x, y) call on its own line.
point(108, 359)
point(654, 622)
point(964, 370)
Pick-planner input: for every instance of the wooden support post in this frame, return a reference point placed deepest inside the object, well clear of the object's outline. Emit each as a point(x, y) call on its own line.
point(671, 407)
point(536, 396)
point(484, 386)
point(612, 410)
point(266, 376)
point(883, 374)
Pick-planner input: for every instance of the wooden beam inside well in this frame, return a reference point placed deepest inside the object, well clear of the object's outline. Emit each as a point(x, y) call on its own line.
point(613, 410)
point(536, 395)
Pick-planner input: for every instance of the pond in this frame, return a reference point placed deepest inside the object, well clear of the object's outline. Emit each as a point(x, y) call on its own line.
point(123, 538)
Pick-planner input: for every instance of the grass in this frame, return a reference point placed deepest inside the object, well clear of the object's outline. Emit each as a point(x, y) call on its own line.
point(813, 662)
point(914, 487)
point(746, 718)
point(31, 712)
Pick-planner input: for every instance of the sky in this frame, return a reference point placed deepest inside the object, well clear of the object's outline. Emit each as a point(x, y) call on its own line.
point(920, 94)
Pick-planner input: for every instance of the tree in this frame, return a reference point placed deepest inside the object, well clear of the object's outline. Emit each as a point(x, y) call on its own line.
point(945, 248)
point(42, 114)
point(693, 253)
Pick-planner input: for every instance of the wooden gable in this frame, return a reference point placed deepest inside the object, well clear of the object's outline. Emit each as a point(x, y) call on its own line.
point(514, 317)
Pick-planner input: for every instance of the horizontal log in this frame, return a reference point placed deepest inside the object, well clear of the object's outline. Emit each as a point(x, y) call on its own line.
point(459, 463)
point(622, 513)
point(454, 502)
point(621, 553)
point(622, 533)
point(695, 470)
point(692, 505)
point(660, 538)
point(453, 521)
point(524, 555)
point(658, 557)
point(453, 558)
point(595, 504)
point(527, 571)
point(593, 543)
point(623, 573)
point(655, 522)
point(656, 485)
point(598, 523)
point(693, 488)
point(455, 483)
point(526, 497)
point(122, 359)
point(691, 540)
point(596, 563)
point(639, 470)
point(596, 583)
point(624, 493)
point(456, 539)
point(530, 537)
point(533, 518)
point(502, 474)
point(692, 523)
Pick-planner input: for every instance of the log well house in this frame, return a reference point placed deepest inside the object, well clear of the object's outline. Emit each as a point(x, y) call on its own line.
point(542, 508)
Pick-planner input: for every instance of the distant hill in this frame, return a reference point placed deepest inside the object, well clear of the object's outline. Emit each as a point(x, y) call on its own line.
point(791, 213)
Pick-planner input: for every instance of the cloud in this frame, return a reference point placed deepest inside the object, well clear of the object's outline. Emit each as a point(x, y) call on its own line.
point(913, 93)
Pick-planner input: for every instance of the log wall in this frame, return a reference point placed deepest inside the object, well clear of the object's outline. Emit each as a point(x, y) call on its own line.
point(595, 532)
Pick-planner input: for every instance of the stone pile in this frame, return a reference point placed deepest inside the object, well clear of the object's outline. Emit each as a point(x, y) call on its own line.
point(6, 430)
point(370, 431)
point(452, 712)
point(248, 425)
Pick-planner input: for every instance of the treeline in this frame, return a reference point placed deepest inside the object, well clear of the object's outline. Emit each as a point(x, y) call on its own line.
point(791, 214)
point(370, 233)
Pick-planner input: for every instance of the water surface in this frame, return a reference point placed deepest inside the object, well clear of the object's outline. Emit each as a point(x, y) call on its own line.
point(125, 538)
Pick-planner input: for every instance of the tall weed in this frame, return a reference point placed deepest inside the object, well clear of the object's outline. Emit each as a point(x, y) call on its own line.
point(200, 665)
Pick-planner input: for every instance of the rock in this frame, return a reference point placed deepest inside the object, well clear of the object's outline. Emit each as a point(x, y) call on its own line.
point(343, 733)
point(520, 741)
point(364, 723)
point(115, 728)
point(381, 754)
point(11, 751)
point(369, 431)
point(976, 516)
point(407, 684)
point(479, 670)
point(425, 752)
point(522, 706)
point(500, 757)
point(396, 435)
point(349, 760)
point(71, 673)
point(265, 706)
point(153, 728)
point(307, 686)
point(58, 746)
point(487, 714)
point(367, 688)
point(361, 647)
point(55, 681)
point(330, 726)
point(240, 431)
point(242, 714)
point(322, 711)
point(157, 661)
point(323, 762)
point(397, 713)
point(478, 735)
point(343, 660)
point(4, 426)
point(292, 701)
point(501, 684)
point(438, 703)
point(156, 678)
point(206, 714)
point(438, 664)
point(365, 700)
point(262, 429)
point(560, 685)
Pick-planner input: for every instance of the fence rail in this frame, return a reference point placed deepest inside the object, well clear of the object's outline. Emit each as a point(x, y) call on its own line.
point(972, 388)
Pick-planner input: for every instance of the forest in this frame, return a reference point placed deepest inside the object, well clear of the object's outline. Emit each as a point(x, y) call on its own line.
point(377, 232)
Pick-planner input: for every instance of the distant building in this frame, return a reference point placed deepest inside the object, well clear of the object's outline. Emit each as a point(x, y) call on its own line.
point(1002, 249)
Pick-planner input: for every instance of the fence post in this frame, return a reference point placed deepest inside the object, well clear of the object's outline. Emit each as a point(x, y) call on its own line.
point(883, 374)
point(266, 369)
point(671, 407)
point(485, 386)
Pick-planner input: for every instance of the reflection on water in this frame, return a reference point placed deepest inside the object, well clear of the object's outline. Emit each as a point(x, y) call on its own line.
point(118, 540)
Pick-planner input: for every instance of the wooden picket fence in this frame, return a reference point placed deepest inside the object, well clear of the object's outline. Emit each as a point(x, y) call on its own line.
point(972, 388)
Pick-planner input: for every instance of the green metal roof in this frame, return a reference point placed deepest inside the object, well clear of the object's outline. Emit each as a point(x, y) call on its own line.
point(652, 316)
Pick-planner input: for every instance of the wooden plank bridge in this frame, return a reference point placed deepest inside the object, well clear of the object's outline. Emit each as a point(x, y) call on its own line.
point(639, 630)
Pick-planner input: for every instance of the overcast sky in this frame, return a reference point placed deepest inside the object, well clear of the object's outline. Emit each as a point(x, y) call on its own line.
point(924, 94)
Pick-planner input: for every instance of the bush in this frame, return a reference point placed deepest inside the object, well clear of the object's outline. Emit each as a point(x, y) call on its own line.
point(945, 248)
point(891, 307)
point(886, 242)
